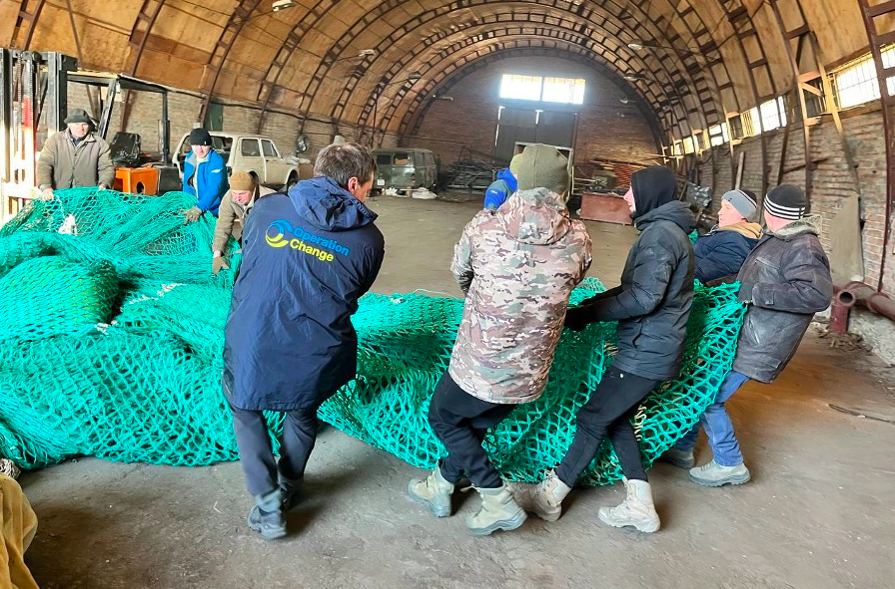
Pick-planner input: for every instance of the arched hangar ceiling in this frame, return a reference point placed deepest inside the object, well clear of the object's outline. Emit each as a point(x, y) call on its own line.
point(690, 64)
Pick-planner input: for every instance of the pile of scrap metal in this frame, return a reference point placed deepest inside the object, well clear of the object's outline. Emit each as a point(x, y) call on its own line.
point(473, 171)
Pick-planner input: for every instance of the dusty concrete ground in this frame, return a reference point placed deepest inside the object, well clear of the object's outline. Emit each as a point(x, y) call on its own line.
point(819, 513)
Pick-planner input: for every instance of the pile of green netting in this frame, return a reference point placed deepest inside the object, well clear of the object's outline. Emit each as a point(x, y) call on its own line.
point(112, 328)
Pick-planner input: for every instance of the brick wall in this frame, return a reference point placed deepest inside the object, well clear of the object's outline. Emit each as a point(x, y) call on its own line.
point(606, 127)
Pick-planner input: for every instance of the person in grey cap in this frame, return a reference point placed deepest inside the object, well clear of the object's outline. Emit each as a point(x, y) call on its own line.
point(784, 282)
point(76, 157)
point(722, 251)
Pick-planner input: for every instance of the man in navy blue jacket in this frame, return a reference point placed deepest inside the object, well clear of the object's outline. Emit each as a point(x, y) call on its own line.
point(204, 176)
point(722, 252)
point(308, 256)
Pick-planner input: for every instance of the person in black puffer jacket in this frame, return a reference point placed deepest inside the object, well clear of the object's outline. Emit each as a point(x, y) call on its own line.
point(652, 307)
point(784, 281)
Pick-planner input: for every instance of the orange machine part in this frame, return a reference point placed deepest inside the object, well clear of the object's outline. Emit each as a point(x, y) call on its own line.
point(136, 180)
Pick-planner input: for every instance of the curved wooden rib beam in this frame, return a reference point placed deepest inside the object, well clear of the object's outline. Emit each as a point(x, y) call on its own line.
point(241, 14)
point(26, 22)
point(146, 18)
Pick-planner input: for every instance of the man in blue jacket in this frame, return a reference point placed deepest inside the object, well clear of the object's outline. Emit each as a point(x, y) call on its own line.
point(722, 251)
point(204, 176)
point(308, 256)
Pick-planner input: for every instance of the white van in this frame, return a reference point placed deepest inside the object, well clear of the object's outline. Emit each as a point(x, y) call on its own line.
point(255, 154)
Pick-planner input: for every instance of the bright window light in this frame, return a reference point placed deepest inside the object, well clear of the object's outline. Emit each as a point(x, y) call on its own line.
point(889, 61)
point(857, 83)
point(537, 88)
point(520, 87)
point(688, 145)
point(750, 122)
point(773, 115)
point(563, 90)
point(718, 135)
point(716, 139)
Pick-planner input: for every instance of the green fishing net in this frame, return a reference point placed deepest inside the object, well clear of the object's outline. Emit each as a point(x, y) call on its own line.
point(112, 328)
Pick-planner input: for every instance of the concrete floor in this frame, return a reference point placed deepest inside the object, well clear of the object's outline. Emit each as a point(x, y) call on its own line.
point(819, 513)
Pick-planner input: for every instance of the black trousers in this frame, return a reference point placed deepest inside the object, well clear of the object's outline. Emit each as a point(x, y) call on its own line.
point(460, 421)
point(262, 470)
point(609, 410)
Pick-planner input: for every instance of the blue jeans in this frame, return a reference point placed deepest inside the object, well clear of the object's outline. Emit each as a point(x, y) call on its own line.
point(717, 424)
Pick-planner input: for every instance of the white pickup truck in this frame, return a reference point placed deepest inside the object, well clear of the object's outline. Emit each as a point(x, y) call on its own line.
point(255, 154)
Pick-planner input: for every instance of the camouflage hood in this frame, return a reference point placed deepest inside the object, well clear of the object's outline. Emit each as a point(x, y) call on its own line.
point(537, 216)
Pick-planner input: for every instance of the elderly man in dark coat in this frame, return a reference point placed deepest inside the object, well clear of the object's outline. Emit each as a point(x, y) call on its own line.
point(75, 157)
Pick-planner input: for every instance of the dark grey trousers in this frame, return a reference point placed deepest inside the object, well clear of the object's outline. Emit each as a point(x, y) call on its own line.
point(262, 470)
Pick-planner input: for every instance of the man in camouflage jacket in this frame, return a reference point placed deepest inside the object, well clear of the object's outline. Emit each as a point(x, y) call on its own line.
point(517, 265)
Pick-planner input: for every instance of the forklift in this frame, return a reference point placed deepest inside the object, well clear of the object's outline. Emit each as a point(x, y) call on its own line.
point(33, 106)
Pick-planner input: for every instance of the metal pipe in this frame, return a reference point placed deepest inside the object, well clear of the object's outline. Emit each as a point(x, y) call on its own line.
point(839, 317)
point(857, 292)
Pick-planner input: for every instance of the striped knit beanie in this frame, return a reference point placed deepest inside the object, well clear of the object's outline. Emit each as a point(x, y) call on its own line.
point(786, 202)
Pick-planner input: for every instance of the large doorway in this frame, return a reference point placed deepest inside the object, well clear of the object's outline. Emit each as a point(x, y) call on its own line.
point(532, 126)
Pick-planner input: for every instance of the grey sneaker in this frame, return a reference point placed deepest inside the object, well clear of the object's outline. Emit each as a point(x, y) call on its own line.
point(270, 524)
point(715, 475)
point(679, 458)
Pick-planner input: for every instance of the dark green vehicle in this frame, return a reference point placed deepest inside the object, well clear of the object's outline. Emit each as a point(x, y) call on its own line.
point(404, 169)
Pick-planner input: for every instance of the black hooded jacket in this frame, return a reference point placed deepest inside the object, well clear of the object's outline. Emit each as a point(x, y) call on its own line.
point(652, 305)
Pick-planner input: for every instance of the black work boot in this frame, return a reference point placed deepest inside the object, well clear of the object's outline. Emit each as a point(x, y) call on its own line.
point(266, 516)
point(291, 492)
